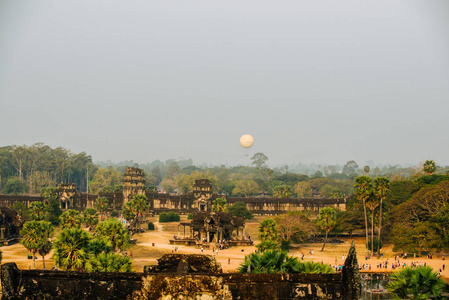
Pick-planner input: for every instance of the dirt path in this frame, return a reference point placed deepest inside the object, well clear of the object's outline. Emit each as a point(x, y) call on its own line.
point(144, 253)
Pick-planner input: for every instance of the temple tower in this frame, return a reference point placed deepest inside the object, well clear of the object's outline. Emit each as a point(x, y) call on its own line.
point(66, 191)
point(133, 183)
point(202, 192)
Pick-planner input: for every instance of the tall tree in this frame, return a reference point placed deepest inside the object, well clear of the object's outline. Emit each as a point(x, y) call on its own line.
point(381, 191)
point(267, 230)
point(429, 167)
point(282, 191)
point(245, 187)
point(219, 204)
point(372, 202)
point(303, 189)
point(363, 188)
point(36, 235)
point(327, 220)
point(259, 159)
point(138, 206)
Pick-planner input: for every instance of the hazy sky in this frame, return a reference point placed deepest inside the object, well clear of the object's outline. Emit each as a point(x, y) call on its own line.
point(312, 81)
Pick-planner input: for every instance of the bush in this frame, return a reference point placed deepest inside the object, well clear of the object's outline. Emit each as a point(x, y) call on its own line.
point(375, 245)
point(189, 217)
point(150, 226)
point(169, 217)
point(114, 214)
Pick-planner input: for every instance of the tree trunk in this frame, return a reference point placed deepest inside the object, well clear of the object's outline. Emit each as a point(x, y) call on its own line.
point(380, 226)
point(43, 261)
point(372, 233)
point(366, 227)
point(34, 260)
point(325, 240)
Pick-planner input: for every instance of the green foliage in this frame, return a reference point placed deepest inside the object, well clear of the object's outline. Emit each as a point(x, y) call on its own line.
point(376, 245)
point(105, 178)
point(150, 226)
point(37, 210)
point(70, 219)
point(267, 245)
point(291, 178)
point(327, 220)
point(101, 204)
point(277, 261)
point(432, 179)
point(90, 218)
point(401, 191)
point(100, 245)
point(328, 191)
point(303, 189)
point(189, 216)
point(219, 204)
point(14, 186)
point(71, 249)
point(239, 209)
point(21, 209)
point(138, 206)
point(429, 167)
point(169, 217)
point(109, 262)
point(36, 235)
point(416, 283)
point(114, 214)
point(267, 230)
point(282, 191)
point(259, 159)
point(113, 230)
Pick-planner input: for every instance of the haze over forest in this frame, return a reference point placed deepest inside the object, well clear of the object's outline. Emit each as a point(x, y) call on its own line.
point(315, 82)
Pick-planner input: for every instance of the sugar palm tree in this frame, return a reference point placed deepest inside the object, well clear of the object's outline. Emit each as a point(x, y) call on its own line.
point(70, 219)
point(37, 210)
point(277, 261)
point(71, 249)
point(416, 283)
point(327, 220)
point(109, 262)
point(372, 202)
point(113, 230)
point(101, 204)
point(363, 188)
point(35, 235)
point(138, 206)
point(381, 190)
point(90, 218)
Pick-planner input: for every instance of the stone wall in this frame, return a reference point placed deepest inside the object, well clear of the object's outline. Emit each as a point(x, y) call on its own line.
point(181, 276)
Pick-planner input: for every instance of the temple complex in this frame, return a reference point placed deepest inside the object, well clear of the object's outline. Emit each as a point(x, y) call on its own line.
point(200, 200)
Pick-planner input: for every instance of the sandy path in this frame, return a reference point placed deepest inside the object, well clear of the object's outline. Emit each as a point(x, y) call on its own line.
point(144, 253)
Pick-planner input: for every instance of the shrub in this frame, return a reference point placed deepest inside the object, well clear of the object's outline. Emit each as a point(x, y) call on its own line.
point(169, 217)
point(150, 226)
point(114, 214)
point(189, 217)
point(375, 245)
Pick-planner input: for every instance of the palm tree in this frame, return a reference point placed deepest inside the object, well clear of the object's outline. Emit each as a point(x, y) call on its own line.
point(109, 262)
point(113, 230)
point(70, 219)
point(101, 204)
point(44, 250)
point(372, 202)
point(90, 218)
point(381, 190)
point(35, 236)
point(100, 245)
point(363, 189)
point(267, 230)
point(38, 210)
point(416, 283)
point(277, 261)
point(138, 205)
point(429, 167)
point(219, 204)
point(327, 220)
point(71, 249)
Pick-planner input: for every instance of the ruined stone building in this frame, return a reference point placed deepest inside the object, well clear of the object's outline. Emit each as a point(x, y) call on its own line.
point(10, 225)
point(199, 200)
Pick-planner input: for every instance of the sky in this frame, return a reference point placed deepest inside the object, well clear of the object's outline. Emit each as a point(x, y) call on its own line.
point(313, 81)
